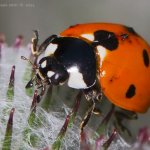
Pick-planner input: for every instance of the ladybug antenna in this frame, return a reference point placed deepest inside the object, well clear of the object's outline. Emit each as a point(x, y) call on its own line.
point(35, 40)
point(33, 65)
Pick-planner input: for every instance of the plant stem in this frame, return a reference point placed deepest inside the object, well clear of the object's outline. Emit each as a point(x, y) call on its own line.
point(8, 133)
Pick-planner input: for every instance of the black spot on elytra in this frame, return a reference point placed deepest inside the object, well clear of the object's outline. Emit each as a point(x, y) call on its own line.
point(106, 39)
point(131, 91)
point(145, 58)
point(131, 30)
point(124, 36)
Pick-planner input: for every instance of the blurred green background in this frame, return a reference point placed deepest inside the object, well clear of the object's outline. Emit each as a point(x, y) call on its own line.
point(53, 16)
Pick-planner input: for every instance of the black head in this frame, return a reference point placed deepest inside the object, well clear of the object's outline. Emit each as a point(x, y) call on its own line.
point(49, 72)
point(52, 71)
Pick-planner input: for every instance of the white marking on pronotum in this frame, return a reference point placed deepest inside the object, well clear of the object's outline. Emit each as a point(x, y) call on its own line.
point(102, 52)
point(90, 37)
point(44, 63)
point(51, 48)
point(76, 78)
point(50, 74)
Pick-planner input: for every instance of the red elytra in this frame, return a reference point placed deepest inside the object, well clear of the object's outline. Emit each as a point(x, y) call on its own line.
point(124, 72)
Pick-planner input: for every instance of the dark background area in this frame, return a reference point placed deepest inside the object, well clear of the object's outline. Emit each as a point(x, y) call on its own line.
point(53, 16)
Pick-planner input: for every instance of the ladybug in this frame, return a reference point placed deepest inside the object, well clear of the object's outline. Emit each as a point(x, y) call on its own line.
point(98, 58)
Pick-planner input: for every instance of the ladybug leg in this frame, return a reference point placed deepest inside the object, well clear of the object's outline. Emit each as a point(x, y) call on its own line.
point(92, 94)
point(43, 46)
point(37, 51)
point(42, 92)
point(87, 116)
point(121, 115)
point(35, 40)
